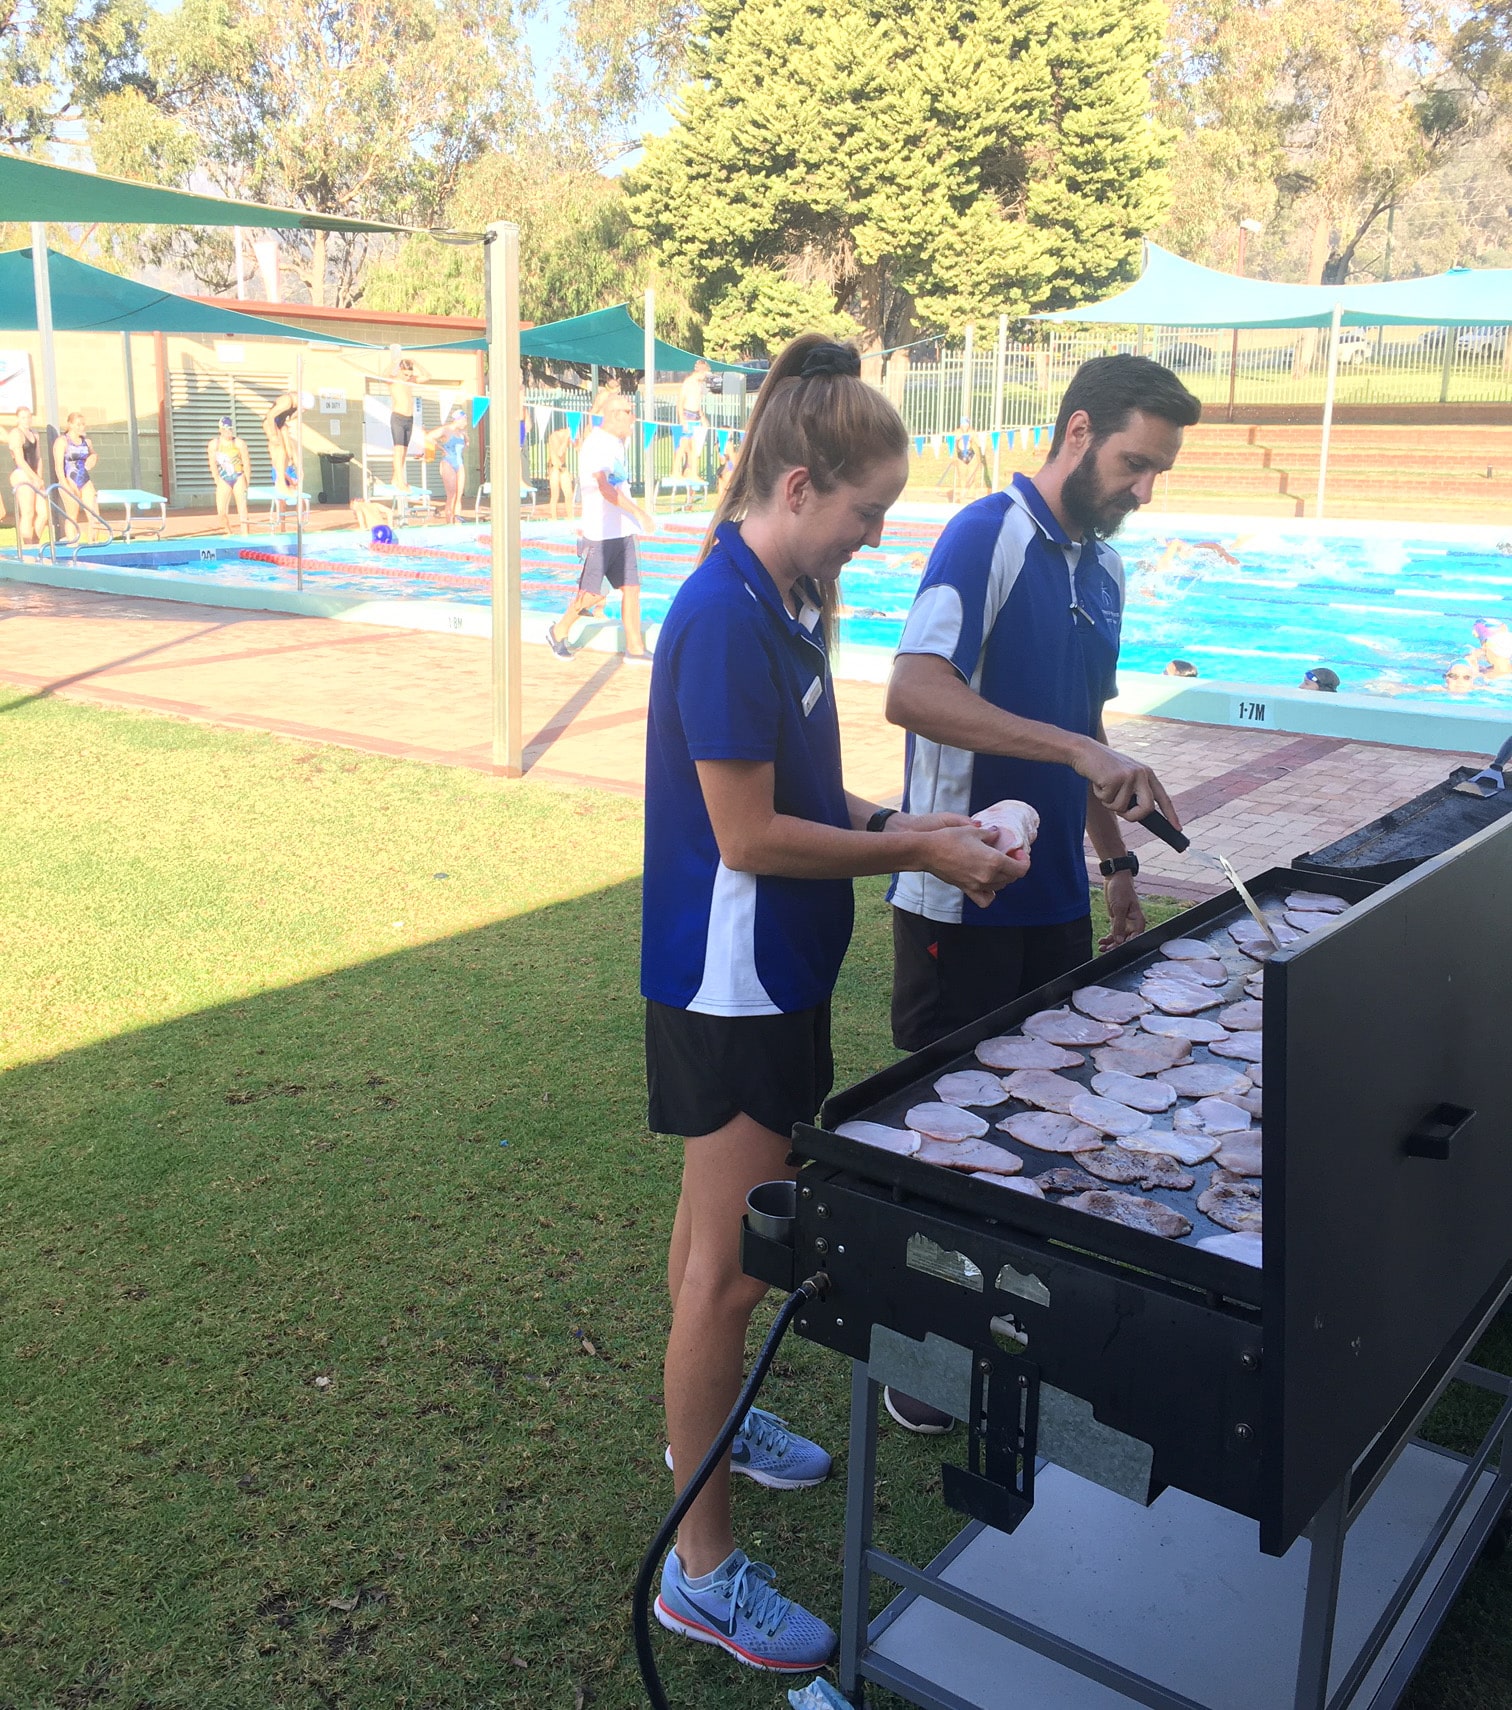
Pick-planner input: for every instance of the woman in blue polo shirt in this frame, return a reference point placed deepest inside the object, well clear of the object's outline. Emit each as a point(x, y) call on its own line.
point(751, 845)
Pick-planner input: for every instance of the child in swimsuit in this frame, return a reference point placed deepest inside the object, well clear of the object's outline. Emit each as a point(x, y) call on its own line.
point(73, 459)
point(26, 479)
point(451, 440)
point(229, 462)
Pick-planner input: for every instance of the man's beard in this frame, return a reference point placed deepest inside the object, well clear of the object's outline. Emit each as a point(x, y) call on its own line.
point(1089, 507)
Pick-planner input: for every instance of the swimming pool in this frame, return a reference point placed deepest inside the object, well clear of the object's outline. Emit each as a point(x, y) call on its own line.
point(1252, 604)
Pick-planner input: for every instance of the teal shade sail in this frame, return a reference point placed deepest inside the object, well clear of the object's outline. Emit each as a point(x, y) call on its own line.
point(88, 299)
point(1176, 293)
point(33, 190)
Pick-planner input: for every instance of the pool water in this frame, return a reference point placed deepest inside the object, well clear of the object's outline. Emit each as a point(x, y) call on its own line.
point(1388, 607)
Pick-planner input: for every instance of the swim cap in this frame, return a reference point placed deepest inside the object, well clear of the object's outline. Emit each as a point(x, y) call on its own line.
point(226, 421)
point(382, 535)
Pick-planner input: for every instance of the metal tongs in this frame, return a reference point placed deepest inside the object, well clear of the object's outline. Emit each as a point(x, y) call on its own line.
point(1156, 822)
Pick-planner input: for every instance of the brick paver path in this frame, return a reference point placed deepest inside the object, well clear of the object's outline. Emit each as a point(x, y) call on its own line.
point(1259, 797)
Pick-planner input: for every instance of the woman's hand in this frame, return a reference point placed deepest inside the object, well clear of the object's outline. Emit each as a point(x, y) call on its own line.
point(964, 856)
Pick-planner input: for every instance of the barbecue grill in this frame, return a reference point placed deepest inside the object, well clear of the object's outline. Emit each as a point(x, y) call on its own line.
point(1430, 824)
point(1143, 1412)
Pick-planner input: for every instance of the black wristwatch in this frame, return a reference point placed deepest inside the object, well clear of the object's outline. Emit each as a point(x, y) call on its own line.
point(880, 818)
point(1120, 864)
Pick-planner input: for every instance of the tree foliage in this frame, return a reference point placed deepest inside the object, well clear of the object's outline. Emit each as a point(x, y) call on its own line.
point(1314, 117)
point(946, 162)
point(58, 59)
point(758, 314)
point(347, 107)
point(578, 251)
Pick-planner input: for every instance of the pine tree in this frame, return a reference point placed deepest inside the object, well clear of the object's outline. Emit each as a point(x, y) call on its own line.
point(934, 160)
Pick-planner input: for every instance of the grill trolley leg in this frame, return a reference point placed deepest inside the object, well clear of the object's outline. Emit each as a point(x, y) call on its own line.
point(1112, 1593)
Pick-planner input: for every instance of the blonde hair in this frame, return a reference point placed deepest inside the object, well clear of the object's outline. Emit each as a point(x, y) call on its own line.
point(814, 412)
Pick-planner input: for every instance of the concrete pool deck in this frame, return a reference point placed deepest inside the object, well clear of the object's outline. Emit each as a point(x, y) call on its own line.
point(1258, 796)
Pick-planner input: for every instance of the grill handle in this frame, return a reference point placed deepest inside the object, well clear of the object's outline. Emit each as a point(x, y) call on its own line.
point(1436, 1133)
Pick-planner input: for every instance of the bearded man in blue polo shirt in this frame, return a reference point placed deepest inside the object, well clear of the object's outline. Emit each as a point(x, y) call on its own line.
point(1008, 655)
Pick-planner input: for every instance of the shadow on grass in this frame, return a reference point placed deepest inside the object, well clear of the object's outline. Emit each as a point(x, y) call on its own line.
point(333, 1326)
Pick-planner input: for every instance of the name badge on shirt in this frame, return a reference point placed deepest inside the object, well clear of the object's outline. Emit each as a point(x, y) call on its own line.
point(812, 695)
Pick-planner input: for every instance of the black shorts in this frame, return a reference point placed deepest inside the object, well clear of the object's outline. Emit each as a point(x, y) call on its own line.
point(400, 429)
point(945, 976)
point(702, 1071)
point(611, 561)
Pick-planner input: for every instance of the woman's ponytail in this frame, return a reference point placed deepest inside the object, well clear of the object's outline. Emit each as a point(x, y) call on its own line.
point(813, 412)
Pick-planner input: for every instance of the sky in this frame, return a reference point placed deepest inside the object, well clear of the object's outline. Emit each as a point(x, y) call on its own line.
point(543, 31)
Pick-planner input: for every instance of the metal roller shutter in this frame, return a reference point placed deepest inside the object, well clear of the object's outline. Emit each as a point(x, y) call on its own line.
point(197, 399)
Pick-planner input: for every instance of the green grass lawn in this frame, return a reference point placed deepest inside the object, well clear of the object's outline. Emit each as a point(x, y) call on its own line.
point(331, 1242)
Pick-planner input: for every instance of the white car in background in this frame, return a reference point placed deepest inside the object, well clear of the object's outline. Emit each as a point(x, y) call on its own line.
point(1355, 345)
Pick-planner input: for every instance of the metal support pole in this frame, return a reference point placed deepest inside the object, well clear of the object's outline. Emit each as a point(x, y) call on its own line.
point(999, 380)
point(241, 275)
point(860, 1493)
point(968, 415)
point(1328, 405)
point(42, 287)
point(502, 265)
point(1451, 340)
point(1321, 1606)
point(298, 470)
point(648, 403)
point(132, 437)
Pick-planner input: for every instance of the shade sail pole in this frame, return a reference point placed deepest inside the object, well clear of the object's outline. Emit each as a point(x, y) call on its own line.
point(133, 438)
point(648, 404)
point(298, 470)
point(501, 255)
point(1328, 405)
point(42, 286)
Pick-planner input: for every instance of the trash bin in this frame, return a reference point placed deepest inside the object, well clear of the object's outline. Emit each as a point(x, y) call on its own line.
point(335, 477)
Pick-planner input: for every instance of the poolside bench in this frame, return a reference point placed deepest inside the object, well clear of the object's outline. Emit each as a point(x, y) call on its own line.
point(277, 498)
point(691, 486)
point(133, 499)
point(528, 496)
point(403, 499)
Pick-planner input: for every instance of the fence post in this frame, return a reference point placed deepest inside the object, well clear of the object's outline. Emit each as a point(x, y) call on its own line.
point(968, 415)
point(998, 378)
point(1328, 404)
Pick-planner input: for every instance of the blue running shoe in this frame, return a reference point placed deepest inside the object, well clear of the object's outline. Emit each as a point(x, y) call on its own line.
point(739, 1608)
point(766, 1451)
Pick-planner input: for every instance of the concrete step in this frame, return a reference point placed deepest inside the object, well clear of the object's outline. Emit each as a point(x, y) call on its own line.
point(1235, 505)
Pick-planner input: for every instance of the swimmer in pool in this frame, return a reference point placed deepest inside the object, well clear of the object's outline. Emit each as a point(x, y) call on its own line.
point(231, 472)
point(1178, 550)
point(369, 514)
point(1180, 668)
point(1322, 679)
point(1494, 653)
point(1461, 677)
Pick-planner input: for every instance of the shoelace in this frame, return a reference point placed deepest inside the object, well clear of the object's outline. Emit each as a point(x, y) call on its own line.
point(766, 1431)
point(755, 1596)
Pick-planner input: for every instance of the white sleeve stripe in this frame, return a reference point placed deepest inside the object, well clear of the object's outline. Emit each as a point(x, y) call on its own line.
point(934, 623)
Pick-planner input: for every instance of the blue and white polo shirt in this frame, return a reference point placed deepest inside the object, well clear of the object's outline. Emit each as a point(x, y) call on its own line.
point(737, 677)
point(1030, 619)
